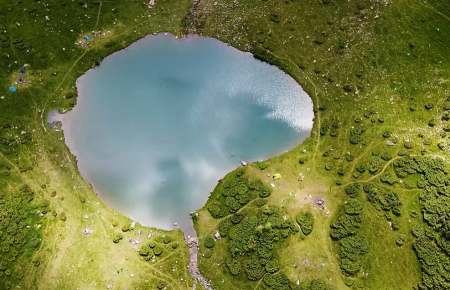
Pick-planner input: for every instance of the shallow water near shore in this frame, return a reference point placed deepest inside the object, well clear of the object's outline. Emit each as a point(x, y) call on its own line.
point(156, 125)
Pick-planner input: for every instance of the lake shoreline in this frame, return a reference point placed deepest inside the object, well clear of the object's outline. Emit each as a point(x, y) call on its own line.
point(81, 99)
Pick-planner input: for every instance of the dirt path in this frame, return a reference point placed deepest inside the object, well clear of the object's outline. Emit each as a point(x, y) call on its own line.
point(193, 267)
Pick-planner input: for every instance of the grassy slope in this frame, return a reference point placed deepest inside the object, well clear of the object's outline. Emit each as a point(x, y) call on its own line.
point(69, 260)
point(394, 55)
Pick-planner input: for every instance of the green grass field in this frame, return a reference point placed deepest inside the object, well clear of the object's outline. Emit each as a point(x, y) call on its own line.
point(377, 72)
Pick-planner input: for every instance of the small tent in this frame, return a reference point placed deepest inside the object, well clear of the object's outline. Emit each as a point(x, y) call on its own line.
point(86, 37)
point(22, 70)
point(276, 176)
point(12, 89)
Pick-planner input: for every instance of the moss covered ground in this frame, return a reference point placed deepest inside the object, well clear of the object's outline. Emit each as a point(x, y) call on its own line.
point(378, 74)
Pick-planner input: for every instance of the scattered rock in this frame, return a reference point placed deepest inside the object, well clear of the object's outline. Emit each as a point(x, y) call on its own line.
point(134, 242)
point(217, 236)
point(87, 232)
point(109, 286)
point(243, 163)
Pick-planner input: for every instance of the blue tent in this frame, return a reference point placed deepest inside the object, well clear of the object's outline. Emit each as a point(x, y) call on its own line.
point(22, 70)
point(86, 37)
point(12, 89)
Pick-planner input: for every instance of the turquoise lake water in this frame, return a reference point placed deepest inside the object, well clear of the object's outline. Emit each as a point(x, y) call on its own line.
point(156, 125)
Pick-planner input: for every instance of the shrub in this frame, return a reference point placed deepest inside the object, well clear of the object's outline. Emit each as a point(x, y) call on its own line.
point(272, 266)
point(432, 123)
point(400, 240)
point(387, 134)
point(254, 270)
point(428, 106)
point(329, 166)
point(349, 158)
point(376, 152)
point(388, 177)
point(144, 251)
point(167, 239)
point(160, 285)
point(240, 171)
point(233, 265)
point(265, 192)
point(262, 165)
point(209, 242)
point(260, 202)
point(408, 145)
point(174, 245)
point(302, 160)
point(306, 222)
point(158, 250)
point(256, 184)
point(117, 238)
point(341, 171)
point(352, 190)
point(125, 228)
point(353, 207)
point(446, 106)
point(408, 184)
point(152, 244)
point(224, 227)
point(62, 216)
point(395, 225)
point(115, 223)
point(386, 156)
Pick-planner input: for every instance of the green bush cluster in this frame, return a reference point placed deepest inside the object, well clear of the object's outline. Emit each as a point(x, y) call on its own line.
point(306, 222)
point(352, 244)
point(233, 192)
point(356, 135)
point(252, 238)
point(389, 177)
point(352, 190)
point(17, 211)
point(432, 246)
point(383, 198)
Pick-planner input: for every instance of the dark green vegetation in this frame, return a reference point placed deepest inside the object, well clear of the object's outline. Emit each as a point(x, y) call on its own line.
point(45, 206)
point(20, 219)
point(306, 221)
point(378, 74)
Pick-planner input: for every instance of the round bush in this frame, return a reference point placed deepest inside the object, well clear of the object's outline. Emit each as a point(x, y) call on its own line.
point(144, 251)
point(265, 192)
point(167, 239)
point(272, 266)
point(209, 242)
point(158, 250)
point(233, 265)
